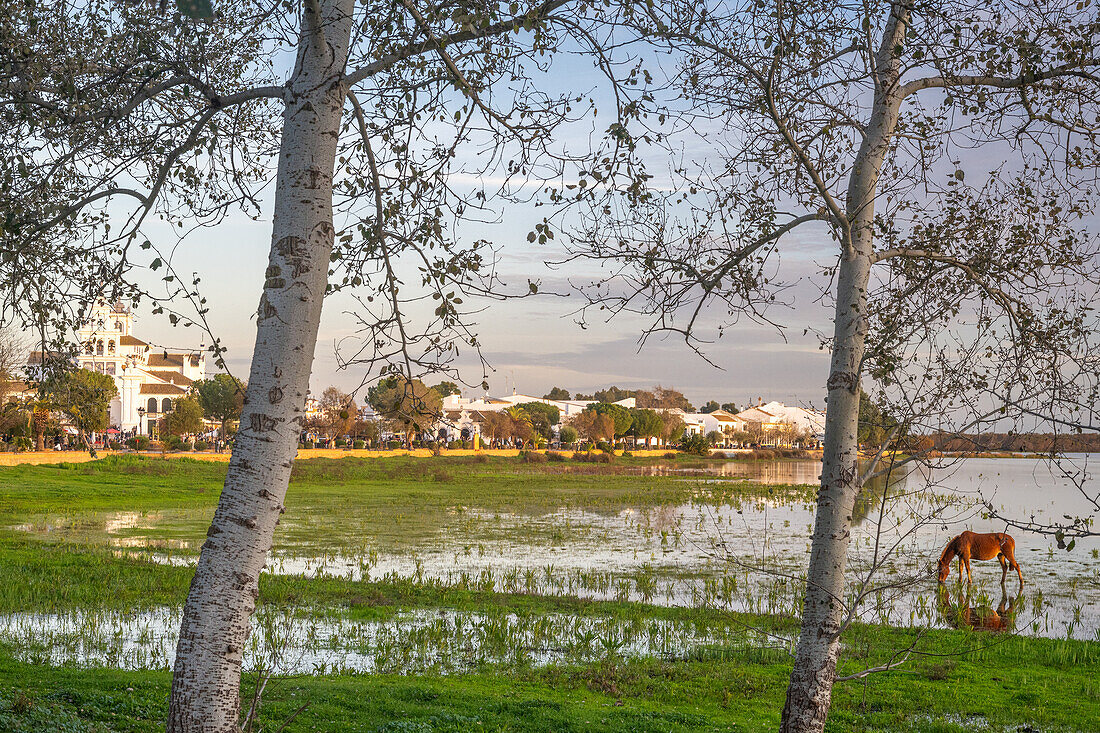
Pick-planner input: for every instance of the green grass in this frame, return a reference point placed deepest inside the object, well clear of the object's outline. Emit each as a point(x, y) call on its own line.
point(1016, 683)
point(957, 680)
point(396, 502)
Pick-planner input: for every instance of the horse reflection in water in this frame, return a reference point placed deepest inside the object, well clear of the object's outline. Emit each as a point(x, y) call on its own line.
point(962, 615)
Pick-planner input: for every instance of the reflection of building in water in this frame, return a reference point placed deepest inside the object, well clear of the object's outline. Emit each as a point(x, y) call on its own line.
point(148, 379)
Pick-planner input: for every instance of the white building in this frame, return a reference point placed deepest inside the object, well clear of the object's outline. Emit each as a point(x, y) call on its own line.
point(773, 416)
point(148, 379)
point(719, 421)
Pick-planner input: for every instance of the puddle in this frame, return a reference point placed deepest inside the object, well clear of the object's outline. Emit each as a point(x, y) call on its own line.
point(437, 641)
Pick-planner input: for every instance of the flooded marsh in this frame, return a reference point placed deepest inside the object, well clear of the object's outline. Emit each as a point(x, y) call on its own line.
point(717, 535)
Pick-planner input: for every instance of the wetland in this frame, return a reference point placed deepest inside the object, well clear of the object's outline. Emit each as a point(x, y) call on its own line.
point(454, 571)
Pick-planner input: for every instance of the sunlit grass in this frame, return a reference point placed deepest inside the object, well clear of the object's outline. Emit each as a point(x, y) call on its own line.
point(543, 648)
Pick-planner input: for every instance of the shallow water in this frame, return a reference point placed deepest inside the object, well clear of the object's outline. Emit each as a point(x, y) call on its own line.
point(750, 555)
point(303, 642)
point(743, 554)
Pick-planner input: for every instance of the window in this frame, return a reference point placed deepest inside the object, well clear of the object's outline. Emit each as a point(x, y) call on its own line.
point(118, 325)
point(111, 346)
point(152, 405)
point(111, 368)
point(166, 405)
point(99, 347)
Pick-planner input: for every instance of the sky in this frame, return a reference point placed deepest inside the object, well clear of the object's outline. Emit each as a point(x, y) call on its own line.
point(535, 343)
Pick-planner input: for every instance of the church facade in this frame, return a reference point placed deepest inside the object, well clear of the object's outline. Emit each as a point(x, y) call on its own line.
point(149, 379)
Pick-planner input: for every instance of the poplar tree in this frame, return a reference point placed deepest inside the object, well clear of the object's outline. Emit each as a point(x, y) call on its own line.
point(121, 113)
point(939, 160)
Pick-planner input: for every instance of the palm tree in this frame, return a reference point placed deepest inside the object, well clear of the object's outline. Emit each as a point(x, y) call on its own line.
point(39, 409)
point(522, 428)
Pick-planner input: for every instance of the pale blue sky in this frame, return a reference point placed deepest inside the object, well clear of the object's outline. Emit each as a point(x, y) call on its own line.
point(535, 343)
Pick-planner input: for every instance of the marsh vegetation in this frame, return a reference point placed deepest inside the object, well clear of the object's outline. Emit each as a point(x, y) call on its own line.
point(563, 574)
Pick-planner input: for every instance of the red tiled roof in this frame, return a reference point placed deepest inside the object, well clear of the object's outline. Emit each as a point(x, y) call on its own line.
point(165, 359)
point(172, 377)
point(128, 340)
point(165, 389)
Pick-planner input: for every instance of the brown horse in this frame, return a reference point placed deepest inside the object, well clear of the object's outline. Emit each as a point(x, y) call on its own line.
point(980, 547)
point(962, 615)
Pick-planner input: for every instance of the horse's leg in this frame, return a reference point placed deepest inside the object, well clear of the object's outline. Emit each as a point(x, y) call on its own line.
point(969, 577)
point(1015, 565)
point(1004, 567)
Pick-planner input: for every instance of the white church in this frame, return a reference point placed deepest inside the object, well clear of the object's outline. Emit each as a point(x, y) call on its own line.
point(148, 378)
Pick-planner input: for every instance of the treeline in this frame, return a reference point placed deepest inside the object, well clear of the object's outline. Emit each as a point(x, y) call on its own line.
point(657, 398)
point(1016, 442)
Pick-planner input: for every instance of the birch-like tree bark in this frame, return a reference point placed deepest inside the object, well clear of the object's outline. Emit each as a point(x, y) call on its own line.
point(960, 300)
point(810, 691)
point(206, 678)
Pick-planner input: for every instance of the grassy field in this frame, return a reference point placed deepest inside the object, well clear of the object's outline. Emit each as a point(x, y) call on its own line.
point(55, 556)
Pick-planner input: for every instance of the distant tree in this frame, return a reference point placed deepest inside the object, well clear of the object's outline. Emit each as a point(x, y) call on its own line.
point(496, 426)
point(647, 424)
point(40, 410)
point(446, 389)
point(521, 427)
point(756, 432)
point(221, 398)
point(661, 398)
point(409, 405)
point(338, 411)
point(696, 444)
point(185, 417)
point(568, 434)
point(715, 437)
point(672, 426)
point(875, 425)
point(557, 393)
point(740, 437)
point(730, 407)
point(366, 430)
point(710, 407)
point(613, 394)
point(593, 426)
point(620, 416)
point(84, 396)
point(12, 358)
point(543, 417)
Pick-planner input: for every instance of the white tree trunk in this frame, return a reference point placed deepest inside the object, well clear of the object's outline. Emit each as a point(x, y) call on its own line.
point(206, 678)
point(809, 693)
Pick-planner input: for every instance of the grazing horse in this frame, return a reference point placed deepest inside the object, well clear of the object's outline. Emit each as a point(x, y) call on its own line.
point(962, 615)
point(980, 547)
